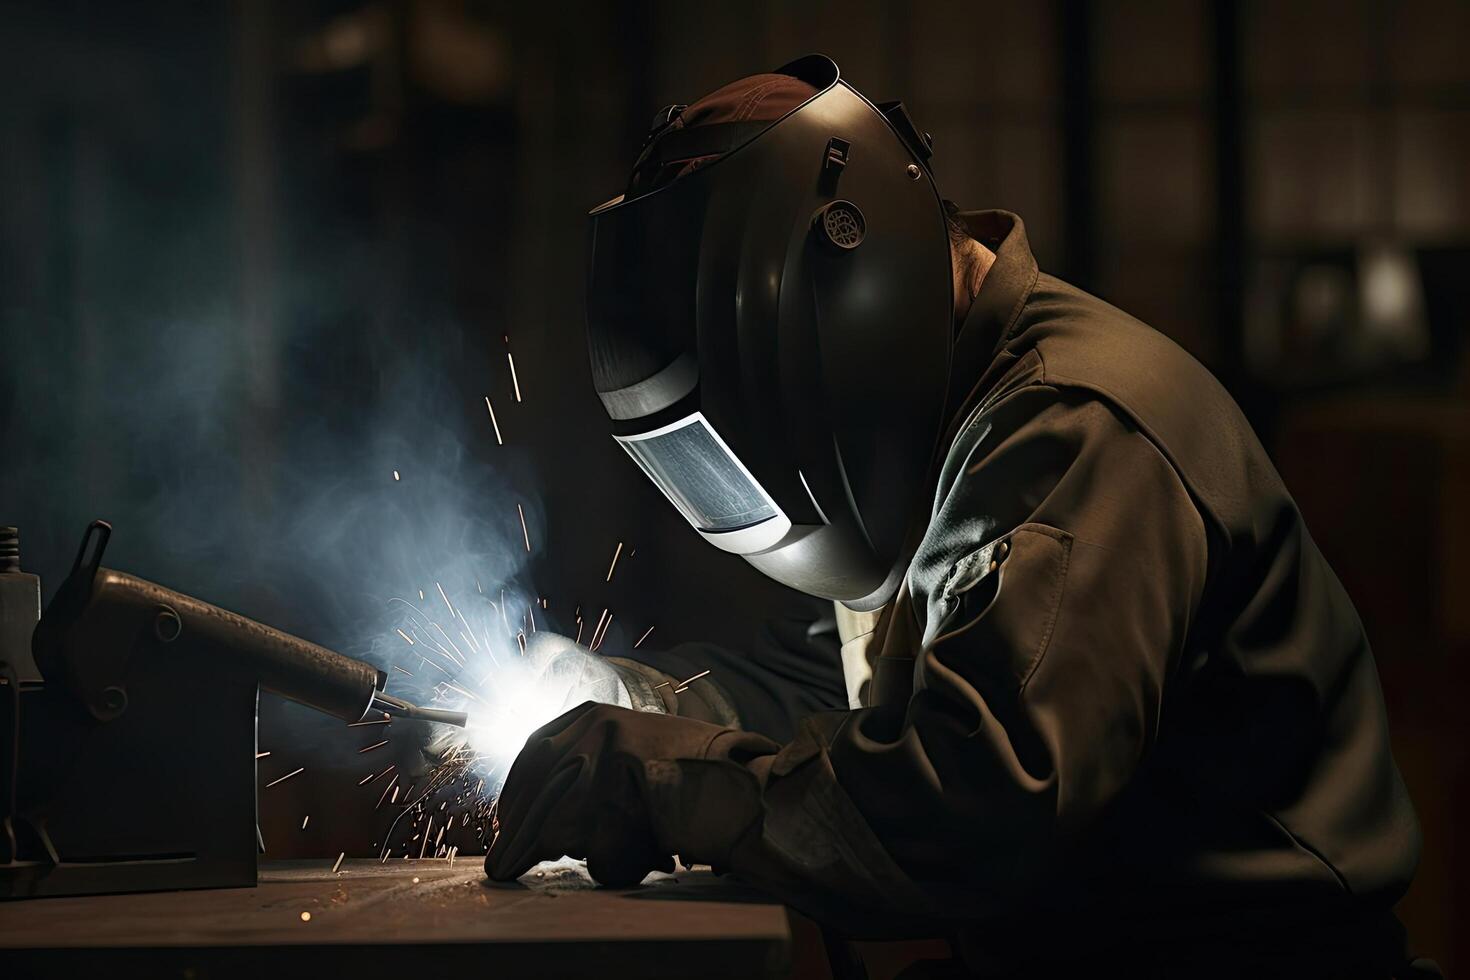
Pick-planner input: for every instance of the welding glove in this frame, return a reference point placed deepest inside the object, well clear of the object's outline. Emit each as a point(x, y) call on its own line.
point(626, 790)
point(653, 690)
point(564, 663)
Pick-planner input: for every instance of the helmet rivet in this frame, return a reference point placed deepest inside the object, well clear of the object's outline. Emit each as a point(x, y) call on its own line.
point(913, 171)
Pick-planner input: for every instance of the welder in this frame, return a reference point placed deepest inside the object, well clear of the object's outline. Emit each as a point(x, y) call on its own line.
point(1116, 710)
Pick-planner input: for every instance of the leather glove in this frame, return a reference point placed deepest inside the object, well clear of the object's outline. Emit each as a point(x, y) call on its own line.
point(626, 790)
point(561, 664)
point(653, 690)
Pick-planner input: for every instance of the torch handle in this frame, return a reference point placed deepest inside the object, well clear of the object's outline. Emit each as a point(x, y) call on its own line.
point(87, 640)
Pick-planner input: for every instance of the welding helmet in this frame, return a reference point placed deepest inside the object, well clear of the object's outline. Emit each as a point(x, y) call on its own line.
point(771, 332)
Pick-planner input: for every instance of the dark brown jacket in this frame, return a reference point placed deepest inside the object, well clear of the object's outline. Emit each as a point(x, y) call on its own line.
point(1120, 685)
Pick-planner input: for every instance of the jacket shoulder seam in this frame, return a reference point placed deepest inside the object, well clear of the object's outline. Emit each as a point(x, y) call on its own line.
point(1121, 406)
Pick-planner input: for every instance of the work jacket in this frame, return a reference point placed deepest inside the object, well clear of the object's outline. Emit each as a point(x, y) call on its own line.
point(1120, 706)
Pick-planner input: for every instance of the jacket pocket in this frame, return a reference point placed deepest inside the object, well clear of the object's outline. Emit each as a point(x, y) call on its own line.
point(1001, 602)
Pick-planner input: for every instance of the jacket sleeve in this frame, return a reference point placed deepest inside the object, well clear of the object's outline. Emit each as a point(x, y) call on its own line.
point(792, 669)
point(1045, 611)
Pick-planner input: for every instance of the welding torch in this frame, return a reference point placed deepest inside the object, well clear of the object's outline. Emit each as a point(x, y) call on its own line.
point(100, 620)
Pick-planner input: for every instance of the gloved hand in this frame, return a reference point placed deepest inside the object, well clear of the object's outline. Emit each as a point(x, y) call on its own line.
point(626, 789)
point(652, 690)
point(561, 664)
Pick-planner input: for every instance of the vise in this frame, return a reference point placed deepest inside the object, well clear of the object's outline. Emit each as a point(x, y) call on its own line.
point(130, 764)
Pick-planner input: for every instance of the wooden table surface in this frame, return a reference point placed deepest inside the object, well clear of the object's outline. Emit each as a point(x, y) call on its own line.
point(406, 918)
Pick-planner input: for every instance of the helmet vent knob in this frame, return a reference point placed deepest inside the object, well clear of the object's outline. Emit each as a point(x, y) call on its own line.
point(841, 225)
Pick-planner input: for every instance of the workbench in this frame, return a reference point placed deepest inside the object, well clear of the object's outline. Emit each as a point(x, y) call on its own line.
point(406, 919)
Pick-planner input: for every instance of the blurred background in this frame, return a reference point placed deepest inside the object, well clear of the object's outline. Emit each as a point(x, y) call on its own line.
point(261, 264)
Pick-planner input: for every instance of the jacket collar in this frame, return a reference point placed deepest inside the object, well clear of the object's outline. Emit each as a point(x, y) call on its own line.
point(997, 307)
point(989, 323)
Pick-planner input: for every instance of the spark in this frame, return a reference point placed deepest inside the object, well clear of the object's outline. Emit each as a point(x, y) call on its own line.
point(452, 613)
point(498, 441)
point(375, 745)
point(305, 820)
point(436, 667)
point(684, 684)
point(285, 777)
point(642, 638)
point(470, 638)
point(385, 792)
point(421, 621)
point(339, 862)
point(524, 533)
point(513, 379)
point(402, 671)
point(305, 916)
point(459, 661)
point(395, 476)
point(597, 638)
point(261, 755)
point(516, 700)
point(380, 721)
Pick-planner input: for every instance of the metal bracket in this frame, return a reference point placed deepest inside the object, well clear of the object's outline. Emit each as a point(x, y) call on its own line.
point(836, 157)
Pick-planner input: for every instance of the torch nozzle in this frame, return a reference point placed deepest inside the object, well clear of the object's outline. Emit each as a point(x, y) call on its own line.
point(399, 708)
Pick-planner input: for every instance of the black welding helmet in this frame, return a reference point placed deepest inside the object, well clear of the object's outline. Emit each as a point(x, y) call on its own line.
point(771, 336)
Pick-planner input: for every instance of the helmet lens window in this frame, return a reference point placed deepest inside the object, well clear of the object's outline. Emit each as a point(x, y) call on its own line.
point(697, 472)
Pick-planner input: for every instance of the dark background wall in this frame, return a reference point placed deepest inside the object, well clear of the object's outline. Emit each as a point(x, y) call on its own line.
point(256, 256)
